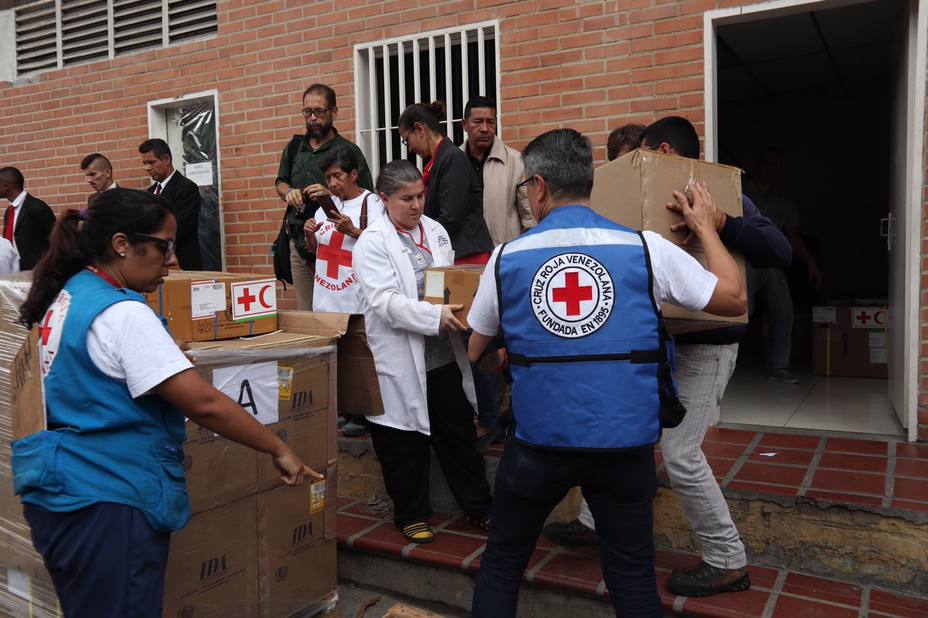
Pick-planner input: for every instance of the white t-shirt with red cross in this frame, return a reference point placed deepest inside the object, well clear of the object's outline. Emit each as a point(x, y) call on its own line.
point(335, 284)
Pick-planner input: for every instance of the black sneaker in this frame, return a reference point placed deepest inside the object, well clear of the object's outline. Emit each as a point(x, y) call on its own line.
point(571, 534)
point(782, 375)
point(705, 580)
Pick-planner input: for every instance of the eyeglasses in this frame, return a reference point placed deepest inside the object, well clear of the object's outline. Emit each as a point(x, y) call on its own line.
point(318, 112)
point(405, 140)
point(525, 182)
point(167, 246)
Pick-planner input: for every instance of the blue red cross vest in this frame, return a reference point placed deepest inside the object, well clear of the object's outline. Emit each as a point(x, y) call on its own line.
point(589, 358)
point(101, 445)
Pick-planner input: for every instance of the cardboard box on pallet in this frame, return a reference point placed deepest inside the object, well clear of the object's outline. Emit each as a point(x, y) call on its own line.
point(288, 382)
point(205, 306)
point(850, 340)
point(453, 285)
point(634, 189)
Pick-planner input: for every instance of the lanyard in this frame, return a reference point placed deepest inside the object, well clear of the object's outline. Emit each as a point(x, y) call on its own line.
point(103, 276)
point(421, 244)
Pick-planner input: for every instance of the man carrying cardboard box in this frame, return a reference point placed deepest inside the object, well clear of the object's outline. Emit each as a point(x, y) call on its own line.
point(705, 361)
point(577, 301)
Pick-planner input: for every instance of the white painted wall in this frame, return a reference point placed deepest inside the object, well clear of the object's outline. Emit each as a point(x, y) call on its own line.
point(7, 45)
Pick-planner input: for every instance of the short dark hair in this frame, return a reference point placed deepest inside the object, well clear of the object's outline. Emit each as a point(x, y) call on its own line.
point(157, 146)
point(344, 158)
point(12, 176)
point(478, 101)
point(96, 156)
point(676, 131)
point(627, 136)
point(325, 91)
point(429, 114)
point(564, 158)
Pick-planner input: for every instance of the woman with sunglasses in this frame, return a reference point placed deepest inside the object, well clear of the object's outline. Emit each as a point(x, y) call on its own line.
point(425, 378)
point(103, 486)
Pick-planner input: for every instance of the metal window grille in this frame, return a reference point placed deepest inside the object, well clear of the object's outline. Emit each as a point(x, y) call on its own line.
point(448, 65)
point(57, 33)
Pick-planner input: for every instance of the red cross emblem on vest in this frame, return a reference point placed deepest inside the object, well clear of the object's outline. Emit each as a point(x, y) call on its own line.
point(572, 294)
point(334, 255)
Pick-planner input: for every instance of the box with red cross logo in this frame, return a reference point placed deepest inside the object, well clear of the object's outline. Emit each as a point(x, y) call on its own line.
point(207, 306)
point(850, 340)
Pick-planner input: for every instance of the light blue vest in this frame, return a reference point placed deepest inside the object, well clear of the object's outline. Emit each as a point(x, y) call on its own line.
point(587, 349)
point(101, 445)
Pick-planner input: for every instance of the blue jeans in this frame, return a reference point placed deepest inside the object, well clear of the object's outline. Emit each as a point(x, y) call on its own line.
point(105, 560)
point(771, 286)
point(620, 488)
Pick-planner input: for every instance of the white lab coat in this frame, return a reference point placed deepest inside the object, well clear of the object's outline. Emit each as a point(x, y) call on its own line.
point(397, 322)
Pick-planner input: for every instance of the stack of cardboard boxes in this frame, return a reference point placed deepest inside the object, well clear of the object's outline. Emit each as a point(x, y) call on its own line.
point(253, 547)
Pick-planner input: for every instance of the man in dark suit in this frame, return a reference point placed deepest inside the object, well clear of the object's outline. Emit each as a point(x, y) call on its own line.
point(27, 221)
point(182, 195)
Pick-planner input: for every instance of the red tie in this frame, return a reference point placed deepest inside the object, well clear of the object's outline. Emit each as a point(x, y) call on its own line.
point(8, 224)
point(158, 189)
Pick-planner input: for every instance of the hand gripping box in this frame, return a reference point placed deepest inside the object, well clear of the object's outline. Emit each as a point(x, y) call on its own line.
point(205, 306)
point(634, 189)
point(453, 285)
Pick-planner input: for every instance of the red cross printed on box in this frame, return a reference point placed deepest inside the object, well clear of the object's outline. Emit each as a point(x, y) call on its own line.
point(253, 299)
point(334, 255)
point(572, 294)
point(869, 317)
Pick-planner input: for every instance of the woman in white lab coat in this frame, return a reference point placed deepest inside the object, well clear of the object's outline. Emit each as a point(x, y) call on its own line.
point(425, 378)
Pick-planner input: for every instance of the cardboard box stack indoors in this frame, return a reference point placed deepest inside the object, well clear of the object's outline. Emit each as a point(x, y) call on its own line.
point(253, 547)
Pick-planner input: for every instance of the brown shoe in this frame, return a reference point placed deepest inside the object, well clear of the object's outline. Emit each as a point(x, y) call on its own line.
point(705, 580)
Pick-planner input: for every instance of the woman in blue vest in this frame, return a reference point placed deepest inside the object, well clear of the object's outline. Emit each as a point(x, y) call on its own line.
point(103, 486)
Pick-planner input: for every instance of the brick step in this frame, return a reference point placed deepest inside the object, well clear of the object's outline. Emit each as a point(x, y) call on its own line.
point(853, 510)
point(568, 582)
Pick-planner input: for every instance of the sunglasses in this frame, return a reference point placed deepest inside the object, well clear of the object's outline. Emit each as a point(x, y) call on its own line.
point(167, 246)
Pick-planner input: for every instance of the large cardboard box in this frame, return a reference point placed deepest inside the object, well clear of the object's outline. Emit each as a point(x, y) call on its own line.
point(213, 564)
point(358, 388)
point(634, 189)
point(204, 306)
point(850, 340)
point(288, 382)
point(453, 285)
point(297, 547)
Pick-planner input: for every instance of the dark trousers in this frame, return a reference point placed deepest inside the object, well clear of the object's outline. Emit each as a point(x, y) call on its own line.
point(105, 560)
point(404, 455)
point(619, 488)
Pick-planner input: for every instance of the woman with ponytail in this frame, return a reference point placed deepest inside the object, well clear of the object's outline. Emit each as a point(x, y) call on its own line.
point(103, 486)
point(454, 193)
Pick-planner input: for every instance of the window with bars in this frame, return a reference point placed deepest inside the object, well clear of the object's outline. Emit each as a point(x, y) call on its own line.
point(57, 33)
point(448, 65)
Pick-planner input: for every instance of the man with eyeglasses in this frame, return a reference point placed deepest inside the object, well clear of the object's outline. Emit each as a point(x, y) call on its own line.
point(300, 181)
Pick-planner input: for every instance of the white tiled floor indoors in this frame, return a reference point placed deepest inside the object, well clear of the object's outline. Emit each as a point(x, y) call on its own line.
point(853, 405)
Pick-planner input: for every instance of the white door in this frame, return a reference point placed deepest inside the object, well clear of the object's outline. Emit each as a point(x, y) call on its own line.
point(903, 245)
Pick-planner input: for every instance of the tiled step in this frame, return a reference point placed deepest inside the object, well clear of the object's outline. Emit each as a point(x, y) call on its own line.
point(851, 509)
point(561, 582)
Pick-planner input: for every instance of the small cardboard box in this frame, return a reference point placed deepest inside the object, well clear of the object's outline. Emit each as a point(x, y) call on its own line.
point(205, 306)
point(634, 189)
point(358, 388)
point(850, 341)
point(453, 285)
point(213, 564)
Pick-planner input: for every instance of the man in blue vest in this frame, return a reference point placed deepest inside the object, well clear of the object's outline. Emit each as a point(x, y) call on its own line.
point(577, 300)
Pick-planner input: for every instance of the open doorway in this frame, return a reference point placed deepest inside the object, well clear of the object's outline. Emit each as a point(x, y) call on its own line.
point(813, 101)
